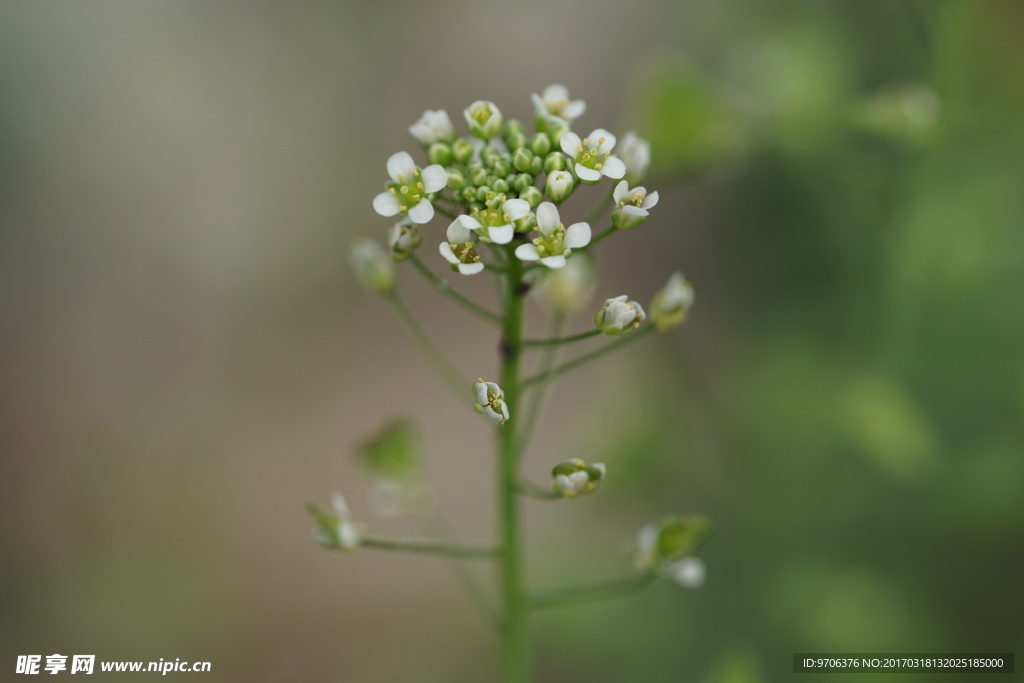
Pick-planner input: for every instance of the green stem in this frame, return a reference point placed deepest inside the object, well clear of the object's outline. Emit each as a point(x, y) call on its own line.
point(445, 212)
point(447, 290)
point(463, 552)
point(441, 366)
point(562, 340)
point(542, 377)
point(601, 591)
point(528, 488)
point(516, 632)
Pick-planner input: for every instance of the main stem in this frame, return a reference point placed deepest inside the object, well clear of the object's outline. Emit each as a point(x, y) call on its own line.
point(516, 626)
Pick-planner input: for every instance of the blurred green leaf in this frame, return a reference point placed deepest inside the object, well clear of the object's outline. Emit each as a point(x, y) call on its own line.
point(393, 452)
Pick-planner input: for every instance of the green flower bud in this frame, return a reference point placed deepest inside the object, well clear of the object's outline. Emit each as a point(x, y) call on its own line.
point(679, 536)
point(469, 193)
point(440, 153)
point(478, 176)
point(515, 141)
point(456, 181)
point(534, 197)
point(462, 149)
point(482, 192)
point(521, 181)
point(500, 185)
point(372, 265)
point(515, 126)
point(484, 119)
point(559, 186)
point(672, 303)
point(501, 168)
point(522, 159)
point(555, 161)
point(553, 126)
point(540, 144)
point(537, 166)
point(573, 477)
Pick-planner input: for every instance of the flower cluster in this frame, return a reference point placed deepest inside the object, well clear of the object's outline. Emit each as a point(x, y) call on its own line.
point(573, 477)
point(666, 549)
point(502, 183)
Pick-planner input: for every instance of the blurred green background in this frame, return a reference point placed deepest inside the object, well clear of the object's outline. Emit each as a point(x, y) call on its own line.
point(186, 358)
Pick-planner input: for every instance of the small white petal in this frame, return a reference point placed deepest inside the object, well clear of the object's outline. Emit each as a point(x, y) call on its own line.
point(504, 410)
point(570, 143)
point(386, 204)
point(480, 390)
point(527, 252)
point(422, 212)
point(448, 254)
point(434, 178)
point(348, 535)
point(574, 110)
point(539, 108)
point(547, 217)
point(564, 484)
point(401, 164)
point(467, 222)
point(602, 147)
point(649, 201)
point(616, 298)
point(470, 268)
point(587, 174)
point(490, 413)
point(553, 262)
point(577, 235)
point(689, 572)
point(340, 506)
point(613, 167)
point(579, 479)
point(501, 234)
point(555, 92)
point(646, 538)
point(621, 191)
point(516, 208)
point(634, 211)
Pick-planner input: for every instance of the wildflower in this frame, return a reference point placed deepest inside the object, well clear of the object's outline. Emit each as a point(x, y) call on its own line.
point(555, 242)
point(489, 400)
point(373, 267)
point(554, 101)
point(635, 152)
point(573, 477)
point(403, 238)
point(663, 544)
point(433, 126)
point(672, 303)
point(592, 155)
point(619, 317)
point(631, 205)
point(494, 222)
point(459, 251)
point(484, 119)
point(349, 533)
point(407, 193)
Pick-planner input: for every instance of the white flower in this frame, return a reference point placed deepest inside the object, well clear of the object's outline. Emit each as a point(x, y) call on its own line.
point(573, 477)
point(489, 400)
point(593, 155)
point(619, 317)
point(433, 126)
point(555, 102)
point(631, 205)
point(568, 289)
point(672, 303)
point(403, 238)
point(559, 185)
point(484, 119)
point(555, 242)
point(407, 193)
point(688, 572)
point(349, 532)
point(636, 154)
point(373, 267)
point(459, 251)
point(494, 223)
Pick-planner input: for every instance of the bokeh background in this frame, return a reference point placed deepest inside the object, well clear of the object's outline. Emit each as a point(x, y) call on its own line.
point(186, 358)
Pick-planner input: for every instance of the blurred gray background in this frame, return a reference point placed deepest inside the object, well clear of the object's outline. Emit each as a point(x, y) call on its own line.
point(186, 359)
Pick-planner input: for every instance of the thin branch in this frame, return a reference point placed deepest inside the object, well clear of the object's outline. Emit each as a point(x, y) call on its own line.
point(600, 236)
point(601, 591)
point(463, 552)
point(600, 207)
point(447, 290)
point(586, 358)
point(459, 386)
point(528, 488)
point(562, 340)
